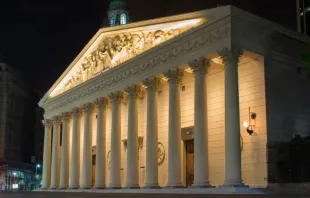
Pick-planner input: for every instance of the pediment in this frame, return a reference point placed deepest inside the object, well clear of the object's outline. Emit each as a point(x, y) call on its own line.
point(110, 49)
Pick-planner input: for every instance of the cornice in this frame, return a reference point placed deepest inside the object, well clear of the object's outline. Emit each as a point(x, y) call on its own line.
point(187, 42)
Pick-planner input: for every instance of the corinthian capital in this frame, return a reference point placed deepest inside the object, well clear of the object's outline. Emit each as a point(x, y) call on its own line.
point(65, 116)
point(230, 55)
point(76, 113)
point(87, 108)
point(200, 65)
point(47, 123)
point(101, 103)
point(134, 90)
point(56, 120)
point(153, 83)
point(174, 76)
point(117, 96)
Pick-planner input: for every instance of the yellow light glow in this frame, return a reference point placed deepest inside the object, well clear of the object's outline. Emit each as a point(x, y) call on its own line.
point(245, 124)
point(69, 81)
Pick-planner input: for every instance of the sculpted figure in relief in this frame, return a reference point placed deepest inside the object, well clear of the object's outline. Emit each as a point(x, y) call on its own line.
point(116, 49)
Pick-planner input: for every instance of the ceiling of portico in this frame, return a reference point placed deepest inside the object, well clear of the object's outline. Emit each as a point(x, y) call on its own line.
point(110, 49)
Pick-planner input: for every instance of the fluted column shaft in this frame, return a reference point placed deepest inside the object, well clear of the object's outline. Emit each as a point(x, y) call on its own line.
point(174, 135)
point(86, 181)
point(132, 179)
point(200, 67)
point(47, 154)
point(115, 174)
point(100, 179)
point(75, 151)
point(232, 119)
point(64, 162)
point(151, 178)
point(55, 154)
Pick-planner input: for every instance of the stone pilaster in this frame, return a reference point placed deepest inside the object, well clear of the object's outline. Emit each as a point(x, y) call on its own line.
point(174, 135)
point(101, 105)
point(75, 150)
point(200, 67)
point(151, 179)
point(47, 154)
point(115, 174)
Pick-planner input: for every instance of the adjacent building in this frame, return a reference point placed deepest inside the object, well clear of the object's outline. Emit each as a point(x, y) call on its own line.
point(197, 99)
point(17, 120)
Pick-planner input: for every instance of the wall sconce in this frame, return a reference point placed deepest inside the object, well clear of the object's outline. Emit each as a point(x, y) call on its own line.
point(249, 126)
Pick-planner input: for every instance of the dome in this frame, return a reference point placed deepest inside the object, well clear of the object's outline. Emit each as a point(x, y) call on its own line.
point(118, 5)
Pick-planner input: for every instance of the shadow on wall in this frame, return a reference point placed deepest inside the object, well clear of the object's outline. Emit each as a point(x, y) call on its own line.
point(292, 160)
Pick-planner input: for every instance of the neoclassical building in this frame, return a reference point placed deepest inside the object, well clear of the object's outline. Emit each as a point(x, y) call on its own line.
point(186, 100)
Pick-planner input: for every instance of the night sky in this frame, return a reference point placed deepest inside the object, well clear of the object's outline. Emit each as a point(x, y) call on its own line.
point(41, 38)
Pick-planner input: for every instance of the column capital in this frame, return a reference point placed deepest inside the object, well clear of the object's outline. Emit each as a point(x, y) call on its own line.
point(76, 113)
point(117, 96)
point(230, 54)
point(154, 83)
point(174, 75)
point(56, 120)
point(101, 103)
point(65, 116)
point(200, 65)
point(134, 90)
point(47, 123)
point(87, 108)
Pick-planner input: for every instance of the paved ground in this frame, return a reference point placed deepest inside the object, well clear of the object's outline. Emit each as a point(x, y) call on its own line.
point(132, 195)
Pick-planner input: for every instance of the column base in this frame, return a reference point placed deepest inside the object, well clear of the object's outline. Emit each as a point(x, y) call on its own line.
point(99, 187)
point(132, 186)
point(118, 186)
point(86, 187)
point(203, 185)
point(53, 188)
point(151, 186)
point(63, 187)
point(44, 188)
point(174, 186)
point(233, 186)
point(73, 187)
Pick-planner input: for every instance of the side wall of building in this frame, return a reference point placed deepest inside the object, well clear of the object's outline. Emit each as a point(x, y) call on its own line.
point(252, 94)
point(288, 116)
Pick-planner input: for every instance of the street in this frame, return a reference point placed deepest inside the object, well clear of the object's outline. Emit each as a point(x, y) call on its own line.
point(129, 195)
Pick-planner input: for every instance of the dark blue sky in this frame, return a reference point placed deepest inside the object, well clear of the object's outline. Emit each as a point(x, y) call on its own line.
point(41, 37)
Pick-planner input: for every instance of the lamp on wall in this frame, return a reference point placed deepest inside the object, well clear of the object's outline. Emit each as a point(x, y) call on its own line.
point(249, 126)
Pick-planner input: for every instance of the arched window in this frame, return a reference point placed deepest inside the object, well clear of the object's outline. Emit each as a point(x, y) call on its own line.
point(123, 19)
point(112, 20)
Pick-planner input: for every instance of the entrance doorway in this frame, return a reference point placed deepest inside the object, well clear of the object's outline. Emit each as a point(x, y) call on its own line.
point(93, 169)
point(189, 148)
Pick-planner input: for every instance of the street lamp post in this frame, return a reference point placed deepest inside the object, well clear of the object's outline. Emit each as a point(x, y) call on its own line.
point(37, 166)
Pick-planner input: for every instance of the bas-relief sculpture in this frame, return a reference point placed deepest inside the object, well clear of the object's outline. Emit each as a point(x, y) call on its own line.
point(114, 50)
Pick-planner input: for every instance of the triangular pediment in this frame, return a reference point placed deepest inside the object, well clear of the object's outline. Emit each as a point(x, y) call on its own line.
point(110, 49)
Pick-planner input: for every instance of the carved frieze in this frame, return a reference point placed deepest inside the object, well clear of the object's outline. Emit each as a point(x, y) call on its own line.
point(115, 49)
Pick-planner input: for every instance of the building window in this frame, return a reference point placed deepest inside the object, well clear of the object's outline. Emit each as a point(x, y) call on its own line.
point(123, 19)
point(112, 20)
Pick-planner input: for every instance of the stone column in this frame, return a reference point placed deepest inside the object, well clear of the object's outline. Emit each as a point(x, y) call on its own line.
point(232, 119)
point(100, 181)
point(55, 154)
point(174, 135)
point(64, 159)
point(115, 174)
point(200, 68)
point(151, 177)
point(132, 179)
point(86, 181)
point(75, 150)
point(47, 154)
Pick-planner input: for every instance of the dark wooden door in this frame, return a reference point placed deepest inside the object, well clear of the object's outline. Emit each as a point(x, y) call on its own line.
point(93, 169)
point(189, 162)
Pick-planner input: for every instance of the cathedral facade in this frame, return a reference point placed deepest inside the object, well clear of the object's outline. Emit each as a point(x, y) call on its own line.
point(186, 100)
